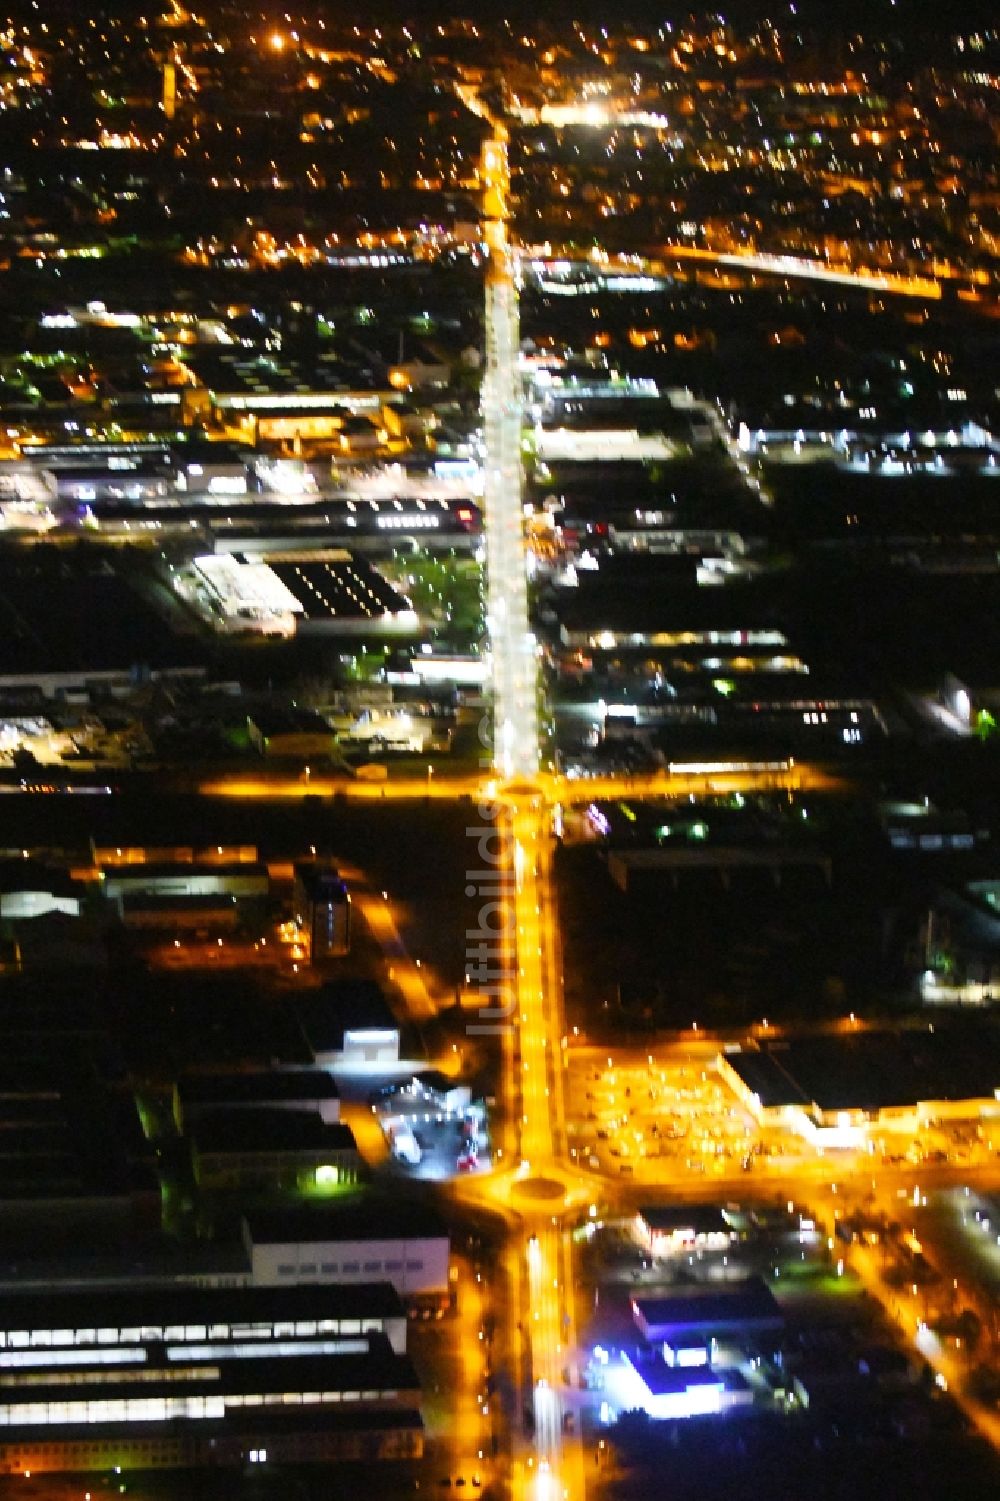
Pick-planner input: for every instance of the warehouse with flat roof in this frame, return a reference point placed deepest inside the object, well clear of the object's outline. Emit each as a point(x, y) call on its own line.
point(265, 1148)
point(309, 1089)
point(183, 1376)
point(404, 1241)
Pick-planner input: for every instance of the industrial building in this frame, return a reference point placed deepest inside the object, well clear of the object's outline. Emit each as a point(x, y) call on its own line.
point(258, 1149)
point(241, 880)
point(29, 889)
point(349, 1021)
point(404, 1243)
point(311, 1090)
point(298, 734)
point(322, 911)
point(74, 1154)
point(287, 592)
point(245, 595)
point(111, 1378)
point(344, 1240)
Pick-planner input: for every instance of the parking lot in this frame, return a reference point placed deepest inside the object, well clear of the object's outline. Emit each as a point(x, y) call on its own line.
point(670, 1114)
point(634, 1118)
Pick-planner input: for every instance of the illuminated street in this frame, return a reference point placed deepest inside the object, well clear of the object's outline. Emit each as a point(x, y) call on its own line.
point(512, 646)
point(791, 266)
point(546, 1462)
point(681, 781)
point(545, 1467)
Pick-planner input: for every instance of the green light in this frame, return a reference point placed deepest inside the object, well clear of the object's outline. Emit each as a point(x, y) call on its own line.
point(725, 686)
point(664, 831)
point(629, 814)
point(698, 831)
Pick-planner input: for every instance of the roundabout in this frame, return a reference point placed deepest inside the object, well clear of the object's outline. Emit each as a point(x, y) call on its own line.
point(547, 1191)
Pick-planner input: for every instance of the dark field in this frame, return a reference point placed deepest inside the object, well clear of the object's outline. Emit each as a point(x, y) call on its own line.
point(664, 956)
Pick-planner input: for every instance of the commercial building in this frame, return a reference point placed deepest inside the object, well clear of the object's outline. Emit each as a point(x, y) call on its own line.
point(739, 1311)
point(362, 523)
point(136, 480)
point(664, 1391)
point(421, 1117)
point(428, 1090)
point(108, 1378)
point(92, 473)
point(212, 470)
point(835, 1089)
point(303, 589)
point(686, 1332)
point(309, 416)
point(670, 1229)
